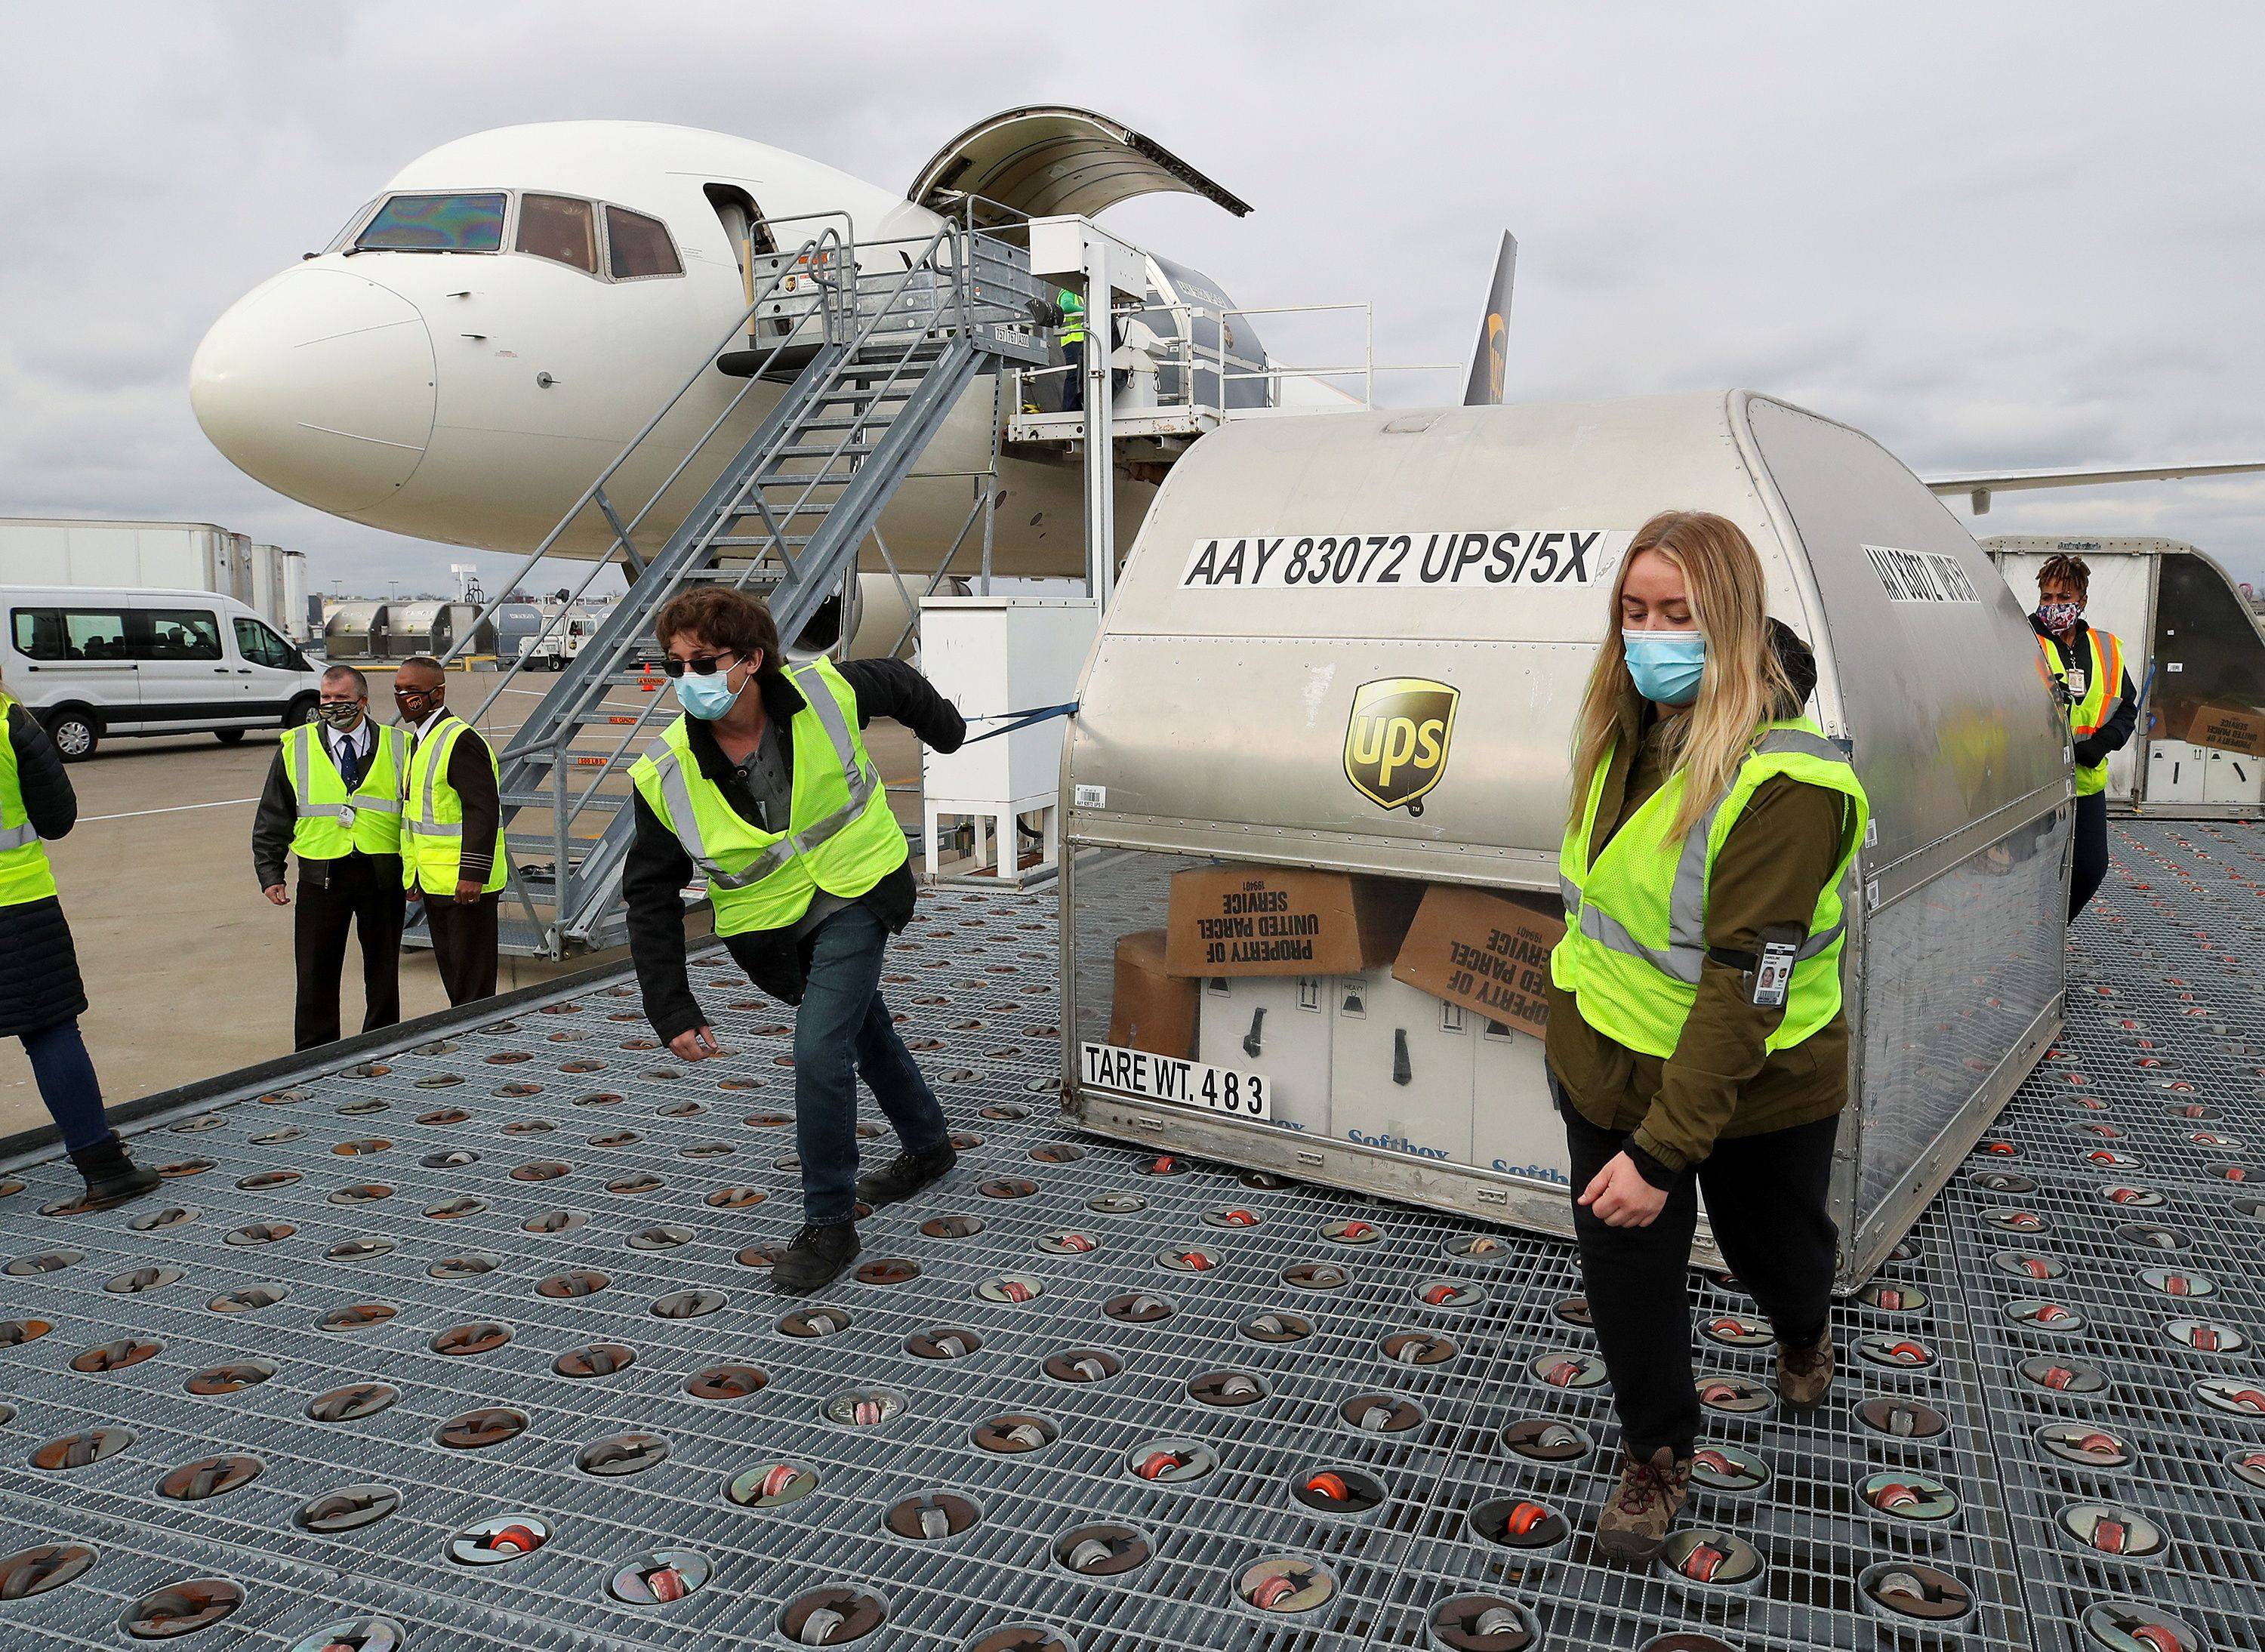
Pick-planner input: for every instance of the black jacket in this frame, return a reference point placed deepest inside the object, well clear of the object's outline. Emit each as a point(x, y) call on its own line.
point(2114, 734)
point(658, 867)
point(39, 984)
point(276, 822)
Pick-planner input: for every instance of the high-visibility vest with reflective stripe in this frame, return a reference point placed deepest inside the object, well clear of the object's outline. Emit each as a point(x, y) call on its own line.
point(2099, 702)
point(333, 822)
point(25, 874)
point(1073, 315)
point(1635, 920)
point(841, 836)
point(433, 817)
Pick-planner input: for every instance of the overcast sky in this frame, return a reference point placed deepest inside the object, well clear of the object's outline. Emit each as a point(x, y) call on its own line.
point(1989, 234)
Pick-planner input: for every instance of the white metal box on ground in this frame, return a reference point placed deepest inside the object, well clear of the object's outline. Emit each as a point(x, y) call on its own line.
point(992, 656)
point(2176, 771)
point(1514, 1129)
point(2232, 777)
point(1278, 1024)
point(1401, 1067)
point(1356, 643)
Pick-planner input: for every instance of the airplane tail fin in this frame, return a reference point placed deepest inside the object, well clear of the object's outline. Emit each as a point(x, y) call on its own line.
point(1488, 356)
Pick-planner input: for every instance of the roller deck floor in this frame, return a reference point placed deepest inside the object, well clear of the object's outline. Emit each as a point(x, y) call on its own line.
point(422, 1248)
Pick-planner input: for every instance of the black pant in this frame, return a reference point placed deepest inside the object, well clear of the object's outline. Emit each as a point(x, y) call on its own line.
point(1074, 380)
point(363, 892)
point(1765, 1202)
point(464, 945)
point(2090, 842)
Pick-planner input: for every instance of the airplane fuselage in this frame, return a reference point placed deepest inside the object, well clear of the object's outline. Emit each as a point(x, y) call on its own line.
point(468, 392)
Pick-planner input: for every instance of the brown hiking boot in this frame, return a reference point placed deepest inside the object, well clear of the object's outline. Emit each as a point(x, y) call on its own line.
point(1636, 1515)
point(1804, 1375)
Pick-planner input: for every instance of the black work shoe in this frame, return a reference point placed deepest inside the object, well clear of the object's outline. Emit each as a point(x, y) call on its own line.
point(819, 1252)
point(905, 1175)
point(111, 1178)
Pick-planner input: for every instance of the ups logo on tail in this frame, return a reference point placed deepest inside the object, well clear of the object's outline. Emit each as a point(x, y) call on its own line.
point(1396, 739)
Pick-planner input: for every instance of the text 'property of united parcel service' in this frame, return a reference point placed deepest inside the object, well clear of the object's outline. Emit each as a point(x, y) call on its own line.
point(1466, 560)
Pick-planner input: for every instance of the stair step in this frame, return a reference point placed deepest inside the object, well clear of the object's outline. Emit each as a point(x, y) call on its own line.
point(544, 800)
point(845, 450)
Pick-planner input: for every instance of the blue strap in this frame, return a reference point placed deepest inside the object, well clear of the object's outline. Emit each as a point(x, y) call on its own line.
point(1022, 720)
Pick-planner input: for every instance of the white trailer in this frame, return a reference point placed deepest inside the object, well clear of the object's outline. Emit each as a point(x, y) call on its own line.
point(58, 550)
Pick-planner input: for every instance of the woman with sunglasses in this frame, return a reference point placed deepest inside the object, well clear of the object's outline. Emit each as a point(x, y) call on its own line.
point(764, 787)
point(1696, 1038)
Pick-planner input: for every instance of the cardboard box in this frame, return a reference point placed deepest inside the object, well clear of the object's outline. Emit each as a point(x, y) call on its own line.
point(1228, 921)
point(1485, 951)
point(1153, 1009)
point(2227, 728)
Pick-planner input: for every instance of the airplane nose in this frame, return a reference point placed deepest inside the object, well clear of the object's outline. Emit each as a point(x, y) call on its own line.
point(318, 384)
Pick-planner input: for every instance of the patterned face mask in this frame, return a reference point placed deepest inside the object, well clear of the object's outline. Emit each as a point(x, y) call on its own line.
point(339, 714)
point(2059, 618)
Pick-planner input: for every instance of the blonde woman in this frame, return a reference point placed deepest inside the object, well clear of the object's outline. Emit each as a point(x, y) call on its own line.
point(1696, 1037)
point(41, 996)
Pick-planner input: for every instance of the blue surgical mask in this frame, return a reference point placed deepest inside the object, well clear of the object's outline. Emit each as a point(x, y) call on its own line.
point(707, 697)
point(1666, 665)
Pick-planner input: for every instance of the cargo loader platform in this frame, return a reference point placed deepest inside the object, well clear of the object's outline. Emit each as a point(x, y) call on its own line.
point(468, 1344)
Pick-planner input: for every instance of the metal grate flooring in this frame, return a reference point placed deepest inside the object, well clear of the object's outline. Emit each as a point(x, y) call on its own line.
point(395, 1230)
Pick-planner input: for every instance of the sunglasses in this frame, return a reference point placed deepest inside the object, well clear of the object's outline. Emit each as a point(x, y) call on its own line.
point(706, 667)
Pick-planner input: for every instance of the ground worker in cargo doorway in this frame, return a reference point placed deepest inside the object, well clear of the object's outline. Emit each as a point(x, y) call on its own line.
point(333, 799)
point(2089, 678)
point(1072, 343)
point(41, 997)
point(452, 853)
point(1696, 1038)
point(764, 787)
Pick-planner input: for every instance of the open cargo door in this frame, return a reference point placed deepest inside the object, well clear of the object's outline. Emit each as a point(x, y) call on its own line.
point(1048, 159)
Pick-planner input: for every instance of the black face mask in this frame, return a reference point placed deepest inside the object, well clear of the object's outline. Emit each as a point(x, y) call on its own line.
point(415, 710)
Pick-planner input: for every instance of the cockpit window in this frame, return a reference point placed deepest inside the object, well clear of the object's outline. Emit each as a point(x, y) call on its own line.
point(563, 230)
point(436, 224)
point(637, 245)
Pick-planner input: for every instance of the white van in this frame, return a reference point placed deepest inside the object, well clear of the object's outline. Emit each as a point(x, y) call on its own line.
point(92, 662)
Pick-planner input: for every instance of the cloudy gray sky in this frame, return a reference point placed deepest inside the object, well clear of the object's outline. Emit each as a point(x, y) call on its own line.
point(1991, 235)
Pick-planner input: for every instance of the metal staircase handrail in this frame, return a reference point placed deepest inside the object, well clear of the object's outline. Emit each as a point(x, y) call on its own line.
point(816, 251)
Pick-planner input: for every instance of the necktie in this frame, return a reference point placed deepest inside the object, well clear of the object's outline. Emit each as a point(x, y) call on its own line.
point(349, 760)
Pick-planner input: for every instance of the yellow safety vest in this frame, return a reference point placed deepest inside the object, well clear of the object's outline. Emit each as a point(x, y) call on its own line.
point(1635, 919)
point(332, 823)
point(2100, 701)
point(25, 875)
point(1073, 315)
point(841, 836)
point(433, 817)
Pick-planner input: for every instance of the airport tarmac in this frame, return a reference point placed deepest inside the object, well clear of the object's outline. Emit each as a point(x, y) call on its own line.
point(188, 971)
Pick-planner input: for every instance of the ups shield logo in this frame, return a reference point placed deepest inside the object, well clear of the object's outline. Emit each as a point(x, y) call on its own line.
point(1396, 740)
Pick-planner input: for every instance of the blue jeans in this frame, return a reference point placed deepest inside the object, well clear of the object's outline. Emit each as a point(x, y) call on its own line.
point(842, 1032)
point(65, 1075)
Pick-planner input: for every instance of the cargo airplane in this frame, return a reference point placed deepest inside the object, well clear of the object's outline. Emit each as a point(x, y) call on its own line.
point(486, 334)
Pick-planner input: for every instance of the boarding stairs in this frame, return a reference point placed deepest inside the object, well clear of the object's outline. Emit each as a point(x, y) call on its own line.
point(865, 348)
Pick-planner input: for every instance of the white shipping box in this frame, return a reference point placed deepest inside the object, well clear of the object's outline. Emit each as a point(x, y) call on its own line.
point(2232, 777)
point(1514, 1128)
point(1403, 1065)
point(2176, 770)
point(1277, 1025)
